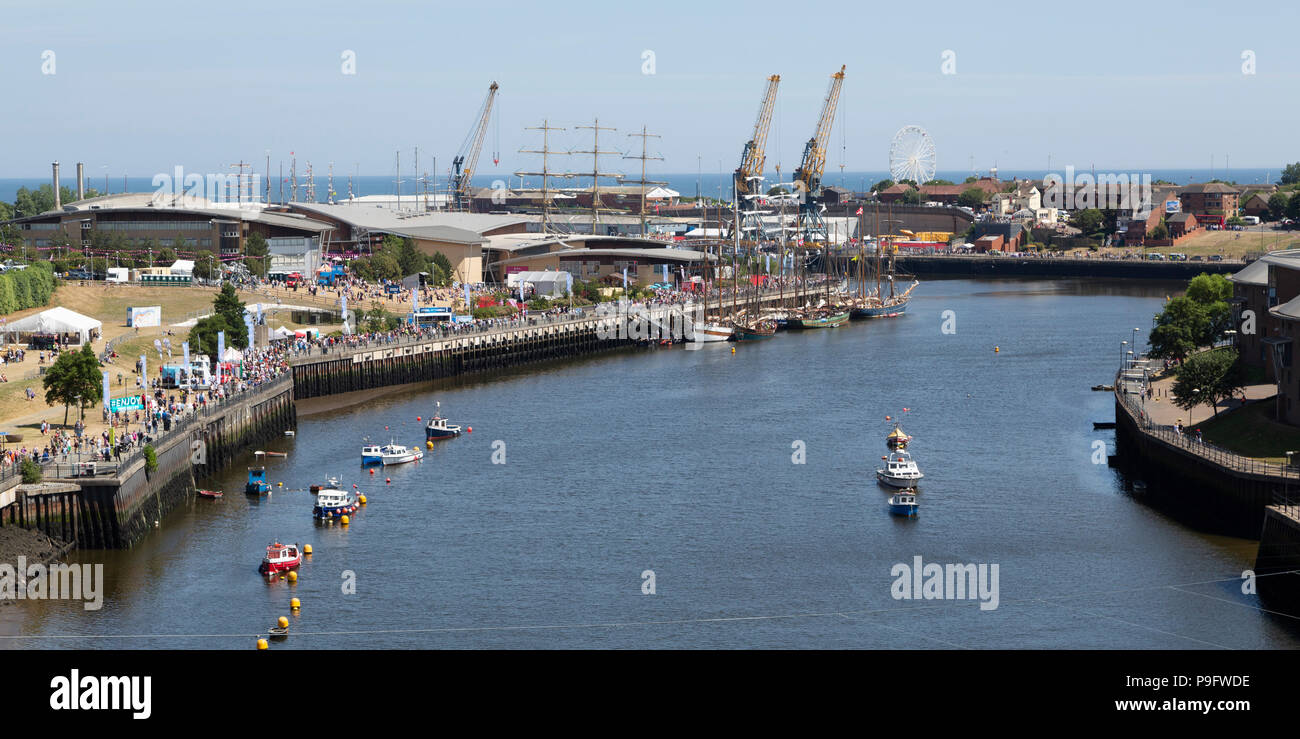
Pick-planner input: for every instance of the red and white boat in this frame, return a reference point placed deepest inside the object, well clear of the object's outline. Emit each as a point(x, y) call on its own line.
point(280, 557)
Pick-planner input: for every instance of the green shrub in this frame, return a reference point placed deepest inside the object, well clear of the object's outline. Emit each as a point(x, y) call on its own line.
point(31, 471)
point(150, 458)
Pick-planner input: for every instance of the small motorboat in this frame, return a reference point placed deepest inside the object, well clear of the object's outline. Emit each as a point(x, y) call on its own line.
point(288, 433)
point(903, 504)
point(332, 503)
point(278, 632)
point(277, 454)
point(280, 557)
point(1103, 388)
point(900, 471)
point(257, 484)
point(389, 453)
point(438, 428)
point(209, 493)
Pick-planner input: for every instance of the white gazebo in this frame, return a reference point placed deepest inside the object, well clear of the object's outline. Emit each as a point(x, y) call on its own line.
point(58, 320)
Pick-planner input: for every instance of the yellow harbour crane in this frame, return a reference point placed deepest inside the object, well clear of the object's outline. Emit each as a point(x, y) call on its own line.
point(748, 177)
point(808, 177)
point(466, 160)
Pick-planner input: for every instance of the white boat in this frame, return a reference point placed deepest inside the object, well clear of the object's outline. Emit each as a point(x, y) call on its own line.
point(389, 453)
point(900, 470)
point(710, 332)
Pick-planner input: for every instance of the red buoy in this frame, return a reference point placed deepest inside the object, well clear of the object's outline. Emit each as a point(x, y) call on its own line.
point(388, 480)
point(371, 472)
point(418, 418)
point(469, 429)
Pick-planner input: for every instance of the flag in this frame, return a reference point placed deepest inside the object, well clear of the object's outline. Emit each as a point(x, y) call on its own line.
point(221, 352)
point(859, 211)
point(185, 349)
point(106, 389)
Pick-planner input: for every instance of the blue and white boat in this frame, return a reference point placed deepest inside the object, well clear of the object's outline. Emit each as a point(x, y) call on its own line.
point(438, 428)
point(903, 504)
point(333, 502)
point(257, 484)
point(389, 453)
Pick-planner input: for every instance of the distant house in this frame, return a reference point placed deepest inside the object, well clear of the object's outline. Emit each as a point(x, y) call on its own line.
point(1256, 204)
point(1181, 224)
point(1210, 202)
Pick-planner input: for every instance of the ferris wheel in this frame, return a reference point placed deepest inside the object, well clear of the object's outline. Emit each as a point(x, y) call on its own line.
point(911, 155)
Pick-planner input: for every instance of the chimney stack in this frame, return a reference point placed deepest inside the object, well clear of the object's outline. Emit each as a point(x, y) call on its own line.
point(58, 202)
point(81, 181)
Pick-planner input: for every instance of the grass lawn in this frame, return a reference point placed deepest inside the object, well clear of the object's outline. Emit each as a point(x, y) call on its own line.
point(1251, 430)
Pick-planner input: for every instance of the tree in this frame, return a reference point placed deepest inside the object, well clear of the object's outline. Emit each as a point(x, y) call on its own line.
point(74, 378)
point(1160, 231)
point(1293, 207)
point(1210, 377)
point(1089, 221)
point(442, 269)
point(884, 184)
point(970, 179)
point(777, 190)
point(205, 264)
point(1180, 328)
point(230, 308)
point(912, 196)
point(410, 260)
point(255, 254)
point(971, 197)
point(1291, 174)
point(203, 337)
point(1277, 206)
point(940, 182)
point(167, 256)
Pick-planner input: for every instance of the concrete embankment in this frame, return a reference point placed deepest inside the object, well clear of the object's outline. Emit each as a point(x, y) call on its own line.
point(113, 505)
point(983, 266)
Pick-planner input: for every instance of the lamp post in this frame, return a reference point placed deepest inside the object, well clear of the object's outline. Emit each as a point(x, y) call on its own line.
point(1123, 346)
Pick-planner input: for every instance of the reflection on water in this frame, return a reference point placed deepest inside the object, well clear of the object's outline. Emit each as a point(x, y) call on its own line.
point(682, 463)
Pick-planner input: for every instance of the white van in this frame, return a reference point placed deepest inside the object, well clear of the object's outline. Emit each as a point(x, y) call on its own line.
point(118, 274)
point(1251, 220)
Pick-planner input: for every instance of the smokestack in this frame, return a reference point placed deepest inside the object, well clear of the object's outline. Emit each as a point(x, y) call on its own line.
point(81, 181)
point(58, 202)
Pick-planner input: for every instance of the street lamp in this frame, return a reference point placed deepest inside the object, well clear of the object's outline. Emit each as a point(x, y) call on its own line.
point(1122, 346)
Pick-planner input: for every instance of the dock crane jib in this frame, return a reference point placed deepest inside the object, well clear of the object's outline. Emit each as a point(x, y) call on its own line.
point(808, 177)
point(466, 160)
point(748, 177)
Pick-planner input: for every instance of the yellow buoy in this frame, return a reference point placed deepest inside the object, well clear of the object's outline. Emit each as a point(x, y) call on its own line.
point(361, 499)
point(293, 576)
point(279, 484)
point(295, 604)
point(284, 622)
point(428, 444)
point(733, 350)
point(261, 644)
point(344, 520)
point(997, 349)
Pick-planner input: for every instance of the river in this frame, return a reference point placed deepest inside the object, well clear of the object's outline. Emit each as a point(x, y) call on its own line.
point(682, 463)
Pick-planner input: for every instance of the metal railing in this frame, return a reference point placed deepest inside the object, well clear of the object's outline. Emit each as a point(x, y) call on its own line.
point(1202, 449)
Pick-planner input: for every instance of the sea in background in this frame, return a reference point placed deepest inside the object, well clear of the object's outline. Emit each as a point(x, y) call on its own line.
point(711, 184)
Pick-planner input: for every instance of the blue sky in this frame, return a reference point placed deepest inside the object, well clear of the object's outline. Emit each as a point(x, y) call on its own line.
point(140, 87)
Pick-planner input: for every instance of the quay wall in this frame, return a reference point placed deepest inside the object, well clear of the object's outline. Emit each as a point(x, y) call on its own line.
point(984, 266)
point(115, 506)
point(1277, 564)
point(1198, 484)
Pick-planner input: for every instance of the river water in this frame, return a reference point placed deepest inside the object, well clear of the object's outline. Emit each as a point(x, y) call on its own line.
point(683, 463)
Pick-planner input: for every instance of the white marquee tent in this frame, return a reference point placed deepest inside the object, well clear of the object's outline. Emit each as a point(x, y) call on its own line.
point(58, 320)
